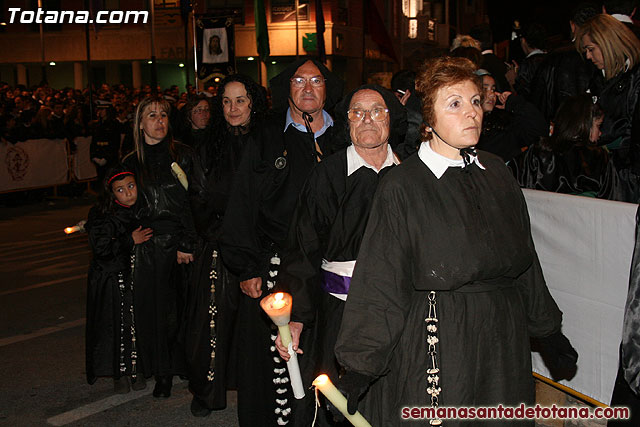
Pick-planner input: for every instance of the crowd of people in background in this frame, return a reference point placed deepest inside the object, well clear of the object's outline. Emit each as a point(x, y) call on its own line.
point(276, 194)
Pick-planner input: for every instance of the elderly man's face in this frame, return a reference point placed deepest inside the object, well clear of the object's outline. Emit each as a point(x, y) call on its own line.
point(308, 98)
point(367, 133)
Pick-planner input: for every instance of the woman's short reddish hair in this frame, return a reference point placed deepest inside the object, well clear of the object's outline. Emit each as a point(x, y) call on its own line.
point(437, 73)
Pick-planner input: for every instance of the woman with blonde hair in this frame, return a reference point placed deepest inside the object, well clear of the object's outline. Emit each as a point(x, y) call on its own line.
point(164, 207)
point(615, 51)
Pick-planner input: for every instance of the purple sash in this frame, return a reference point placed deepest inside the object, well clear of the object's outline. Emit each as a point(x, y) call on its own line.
point(334, 283)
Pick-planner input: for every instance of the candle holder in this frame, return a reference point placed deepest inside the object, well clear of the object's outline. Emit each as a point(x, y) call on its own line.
point(324, 384)
point(278, 308)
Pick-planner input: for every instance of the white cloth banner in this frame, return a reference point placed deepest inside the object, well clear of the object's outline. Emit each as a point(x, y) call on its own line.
point(83, 167)
point(585, 247)
point(32, 164)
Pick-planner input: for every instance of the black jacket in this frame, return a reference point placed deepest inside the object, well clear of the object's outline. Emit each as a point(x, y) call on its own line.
point(506, 132)
point(562, 74)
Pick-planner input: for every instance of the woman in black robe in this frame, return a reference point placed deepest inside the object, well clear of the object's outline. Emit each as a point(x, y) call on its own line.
point(164, 207)
point(110, 333)
point(329, 223)
point(447, 287)
point(212, 296)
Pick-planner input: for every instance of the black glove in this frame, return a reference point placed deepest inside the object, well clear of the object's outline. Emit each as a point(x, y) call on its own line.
point(353, 385)
point(558, 354)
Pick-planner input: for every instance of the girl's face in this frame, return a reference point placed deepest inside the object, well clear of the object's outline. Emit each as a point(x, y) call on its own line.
point(125, 190)
point(595, 133)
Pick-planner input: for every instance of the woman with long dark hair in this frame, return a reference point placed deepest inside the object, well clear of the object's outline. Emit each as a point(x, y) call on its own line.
point(163, 206)
point(213, 295)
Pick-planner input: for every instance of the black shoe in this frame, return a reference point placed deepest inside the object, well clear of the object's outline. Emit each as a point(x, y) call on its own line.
point(163, 386)
point(198, 408)
point(139, 383)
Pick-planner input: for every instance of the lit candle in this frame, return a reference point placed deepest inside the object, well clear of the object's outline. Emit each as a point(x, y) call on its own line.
point(78, 227)
point(73, 229)
point(324, 384)
point(278, 307)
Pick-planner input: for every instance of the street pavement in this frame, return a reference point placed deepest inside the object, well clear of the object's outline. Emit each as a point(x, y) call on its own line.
point(42, 317)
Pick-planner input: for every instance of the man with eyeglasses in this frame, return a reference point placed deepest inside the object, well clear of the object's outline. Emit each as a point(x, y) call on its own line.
point(328, 226)
point(273, 170)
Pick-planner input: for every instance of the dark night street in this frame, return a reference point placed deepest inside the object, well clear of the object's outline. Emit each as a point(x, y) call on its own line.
point(42, 318)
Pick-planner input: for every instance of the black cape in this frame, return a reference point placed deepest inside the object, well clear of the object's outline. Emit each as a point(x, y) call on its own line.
point(213, 291)
point(465, 236)
point(581, 170)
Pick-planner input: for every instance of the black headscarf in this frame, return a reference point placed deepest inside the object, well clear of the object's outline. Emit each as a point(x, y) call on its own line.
point(280, 85)
point(397, 115)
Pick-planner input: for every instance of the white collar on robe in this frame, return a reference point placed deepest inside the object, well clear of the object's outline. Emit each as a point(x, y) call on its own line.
point(438, 164)
point(355, 161)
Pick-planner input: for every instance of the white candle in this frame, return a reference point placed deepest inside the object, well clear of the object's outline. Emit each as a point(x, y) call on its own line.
point(278, 307)
point(324, 384)
point(179, 173)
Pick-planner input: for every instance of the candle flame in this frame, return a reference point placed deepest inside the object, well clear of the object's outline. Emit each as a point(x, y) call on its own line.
point(321, 380)
point(68, 230)
point(279, 296)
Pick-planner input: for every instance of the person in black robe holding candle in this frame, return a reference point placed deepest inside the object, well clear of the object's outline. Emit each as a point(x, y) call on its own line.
point(273, 169)
point(212, 296)
point(447, 289)
point(163, 206)
point(329, 223)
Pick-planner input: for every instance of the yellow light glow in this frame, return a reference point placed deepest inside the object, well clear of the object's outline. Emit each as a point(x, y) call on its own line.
point(181, 65)
point(251, 58)
point(321, 380)
point(68, 230)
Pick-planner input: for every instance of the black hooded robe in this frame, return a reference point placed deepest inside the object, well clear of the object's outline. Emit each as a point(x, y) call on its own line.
point(273, 169)
point(208, 377)
point(467, 237)
point(329, 223)
point(108, 307)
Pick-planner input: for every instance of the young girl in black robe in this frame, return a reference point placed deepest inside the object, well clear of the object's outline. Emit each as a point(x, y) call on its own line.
point(110, 333)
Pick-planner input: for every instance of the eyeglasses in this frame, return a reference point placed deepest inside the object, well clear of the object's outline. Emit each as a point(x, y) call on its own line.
point(377, 114)
point(201, 111)
point(302, 82)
